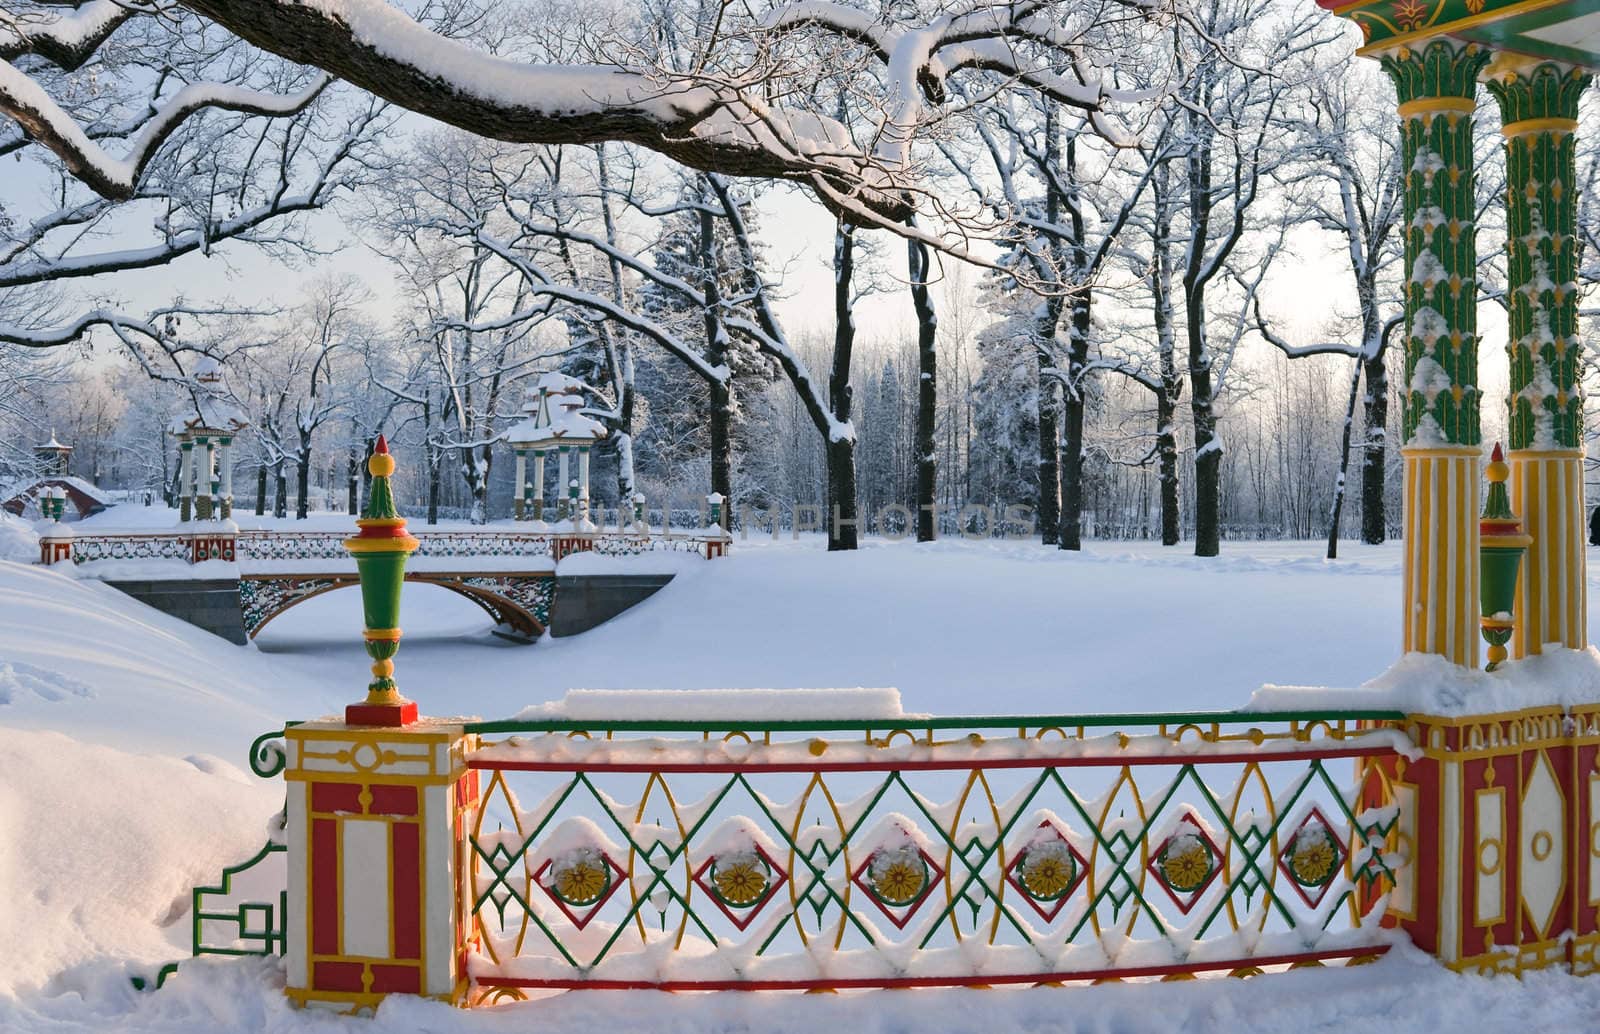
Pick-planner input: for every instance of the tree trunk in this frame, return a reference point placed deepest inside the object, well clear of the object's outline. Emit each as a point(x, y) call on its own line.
point(840, 451)
point(261, 490)
point(353, 482)
point(435, 480)
point(1049, 406)
point(1167, 467)
point(1171, 389)
point(1207, 446)
point(927, 389)
point(1072, 406)
point(622, 441)
point(1374, 525)
point(721, 423)
point(1344, 464)
point(302, 480)
point(280, 489)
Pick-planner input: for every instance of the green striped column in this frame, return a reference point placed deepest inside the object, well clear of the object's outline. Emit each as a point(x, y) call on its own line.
point(1539, 112)
point(1437, 83)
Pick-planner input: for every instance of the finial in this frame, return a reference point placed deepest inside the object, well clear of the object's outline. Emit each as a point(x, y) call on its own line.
point(380, 550)
point(1501, 544)
point(1497, 471)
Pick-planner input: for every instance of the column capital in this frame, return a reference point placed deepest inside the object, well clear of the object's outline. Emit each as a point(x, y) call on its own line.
point(1437, 68)
point(1545, 93)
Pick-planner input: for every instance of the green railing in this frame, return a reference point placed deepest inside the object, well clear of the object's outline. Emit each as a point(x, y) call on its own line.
point(909, 851)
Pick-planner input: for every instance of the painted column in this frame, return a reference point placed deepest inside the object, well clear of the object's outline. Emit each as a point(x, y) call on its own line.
point(1437, 86)
point(376, 811)
point(213, 483)
point(185, 481)
point(521, 482)
point(201, 489)
point(226, 499)
point(536, 490)
point(380, 550)
point(583, 482)
point(1539, 112)
point(561, 481)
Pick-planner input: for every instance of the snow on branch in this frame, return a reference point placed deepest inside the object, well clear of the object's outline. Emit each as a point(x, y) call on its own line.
point(37, 112)
point(66, 41)
point(157, 328)
point(738, 116)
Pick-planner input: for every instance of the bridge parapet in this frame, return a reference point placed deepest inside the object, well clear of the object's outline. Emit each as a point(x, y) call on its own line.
point(194, 546)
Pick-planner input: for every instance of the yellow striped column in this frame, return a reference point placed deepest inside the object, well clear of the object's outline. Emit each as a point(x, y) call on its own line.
point(1539, 109)
point(1441, 552)
point(1436, 81)
point(1552, 594)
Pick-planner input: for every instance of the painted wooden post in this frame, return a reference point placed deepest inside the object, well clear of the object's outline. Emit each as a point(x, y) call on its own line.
point(562, 479)
point(521, 491)
point(55, 538)
point(1539, 112)
point(1486, 822)
point(375, 817)
point(201, 488)
point(376, 808)
point(185, 480)
point(1436, 81)
point(226, 500)
point(537, 489)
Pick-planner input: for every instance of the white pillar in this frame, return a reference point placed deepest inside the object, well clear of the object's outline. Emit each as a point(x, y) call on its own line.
point(227, 477)
point(519, 494)
point(583, 481)
point(213, 488)
point(538, 484)
point(561, 481)
point(185, 480)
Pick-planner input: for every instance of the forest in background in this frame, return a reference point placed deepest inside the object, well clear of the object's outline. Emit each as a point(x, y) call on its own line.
point(1134, 351)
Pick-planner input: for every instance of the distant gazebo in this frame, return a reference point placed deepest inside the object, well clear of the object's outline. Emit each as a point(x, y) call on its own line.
point(54, 457)
point(205, 478)
point(554, 423)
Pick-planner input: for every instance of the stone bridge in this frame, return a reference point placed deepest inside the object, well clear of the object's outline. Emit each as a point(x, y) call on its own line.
point(233, 583)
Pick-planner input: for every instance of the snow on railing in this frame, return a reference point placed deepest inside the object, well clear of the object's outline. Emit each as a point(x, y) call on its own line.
point(161, 546)
point(329, 545)
point(907, 851)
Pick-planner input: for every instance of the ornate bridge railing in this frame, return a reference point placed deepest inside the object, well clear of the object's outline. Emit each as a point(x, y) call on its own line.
point(955, 851)
point(329, 545)
point(87, 548)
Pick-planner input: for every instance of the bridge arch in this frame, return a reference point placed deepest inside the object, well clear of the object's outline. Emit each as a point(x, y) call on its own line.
point(519, 602)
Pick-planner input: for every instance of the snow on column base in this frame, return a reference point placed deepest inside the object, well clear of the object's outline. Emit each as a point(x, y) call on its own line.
point(1489, 829)
point(1498, 806)
point(375, 817)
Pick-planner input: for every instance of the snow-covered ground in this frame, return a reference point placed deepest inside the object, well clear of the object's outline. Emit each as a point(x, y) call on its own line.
point(137, 791)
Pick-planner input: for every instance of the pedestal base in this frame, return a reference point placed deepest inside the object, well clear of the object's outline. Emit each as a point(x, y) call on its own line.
point(391, 716)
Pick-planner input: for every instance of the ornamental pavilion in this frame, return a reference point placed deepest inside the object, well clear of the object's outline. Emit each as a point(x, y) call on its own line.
point(1535, 57)
point(205, 444)
point(554, 423)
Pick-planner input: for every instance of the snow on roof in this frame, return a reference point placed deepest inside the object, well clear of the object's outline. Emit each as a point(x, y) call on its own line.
point(212, 412)
point(556, 382)
point(721, 705)
point(566, 424)
point(53, 444)
point(27, 486)
point(88, 488)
